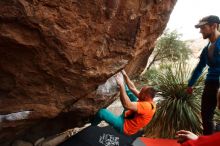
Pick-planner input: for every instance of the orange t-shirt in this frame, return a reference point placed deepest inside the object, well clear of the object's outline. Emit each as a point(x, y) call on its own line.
point(134, 121)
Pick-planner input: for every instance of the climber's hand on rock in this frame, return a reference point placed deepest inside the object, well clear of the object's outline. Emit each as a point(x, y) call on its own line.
point(119, 80)
point(124, 73)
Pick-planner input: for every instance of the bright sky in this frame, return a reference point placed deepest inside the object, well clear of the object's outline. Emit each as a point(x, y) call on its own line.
point(187, 13)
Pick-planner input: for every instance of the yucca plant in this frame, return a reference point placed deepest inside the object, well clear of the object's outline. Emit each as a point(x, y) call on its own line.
point(217, 116)
point(177, 110)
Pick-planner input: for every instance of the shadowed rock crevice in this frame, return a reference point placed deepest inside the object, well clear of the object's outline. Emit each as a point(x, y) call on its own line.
point(55, 54)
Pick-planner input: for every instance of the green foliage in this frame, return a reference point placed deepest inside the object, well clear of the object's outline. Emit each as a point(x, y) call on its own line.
point(170, 48)
point(178, 110)
point(217, 116)
point(148, 76)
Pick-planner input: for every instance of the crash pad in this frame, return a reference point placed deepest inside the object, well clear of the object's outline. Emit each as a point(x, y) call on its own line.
point(100, 136)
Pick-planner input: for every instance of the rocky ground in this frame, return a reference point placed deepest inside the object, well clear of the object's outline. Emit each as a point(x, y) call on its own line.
point(115, 107)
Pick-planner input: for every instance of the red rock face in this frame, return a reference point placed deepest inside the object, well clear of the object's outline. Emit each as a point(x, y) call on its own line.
point(54, 54)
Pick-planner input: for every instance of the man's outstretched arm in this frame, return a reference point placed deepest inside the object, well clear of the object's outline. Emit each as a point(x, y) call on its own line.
point(184, 135)
point(126, 102)
point(130, 84)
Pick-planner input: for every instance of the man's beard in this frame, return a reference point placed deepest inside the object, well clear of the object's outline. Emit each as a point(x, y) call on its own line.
point(207, 36)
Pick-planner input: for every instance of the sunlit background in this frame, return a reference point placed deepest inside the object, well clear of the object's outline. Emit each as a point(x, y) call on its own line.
point(188, 12)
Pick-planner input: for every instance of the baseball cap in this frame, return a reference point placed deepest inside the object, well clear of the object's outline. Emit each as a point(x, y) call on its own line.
point(208, 20)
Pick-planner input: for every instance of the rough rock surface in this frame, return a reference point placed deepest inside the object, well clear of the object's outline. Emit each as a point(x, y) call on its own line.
point(55, 53)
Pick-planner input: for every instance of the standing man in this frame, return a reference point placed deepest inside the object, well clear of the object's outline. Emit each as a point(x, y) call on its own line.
point(139, 108)
point(210, 56)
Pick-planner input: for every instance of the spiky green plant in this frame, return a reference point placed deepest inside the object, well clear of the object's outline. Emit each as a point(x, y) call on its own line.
point(178, 110)
point(217, 116)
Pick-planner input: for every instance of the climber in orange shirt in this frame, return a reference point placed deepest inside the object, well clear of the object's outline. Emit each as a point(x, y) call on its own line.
point(139, 107)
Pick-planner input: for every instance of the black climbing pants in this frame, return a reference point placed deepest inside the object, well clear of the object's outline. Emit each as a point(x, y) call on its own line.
point(209, 102)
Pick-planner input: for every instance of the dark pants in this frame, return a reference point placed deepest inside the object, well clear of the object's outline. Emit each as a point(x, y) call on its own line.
point(209, 102)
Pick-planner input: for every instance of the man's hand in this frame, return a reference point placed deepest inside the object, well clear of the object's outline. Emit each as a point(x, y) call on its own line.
point(189, 90)
point(130, 84)
point(184, 135)
point(119, 80)
point(123, 72)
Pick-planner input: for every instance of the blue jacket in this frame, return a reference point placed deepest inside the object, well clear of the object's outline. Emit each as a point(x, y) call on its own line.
point(213, 64)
